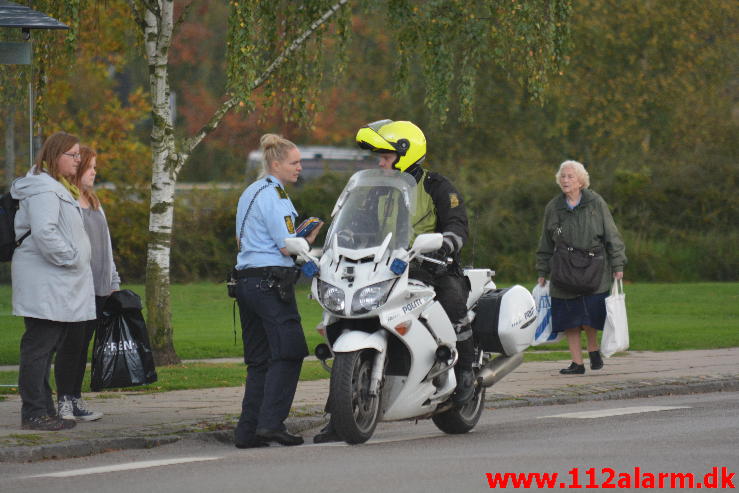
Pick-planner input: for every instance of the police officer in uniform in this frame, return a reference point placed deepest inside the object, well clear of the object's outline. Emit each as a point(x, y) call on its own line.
point(274, 344)
point(401, 145)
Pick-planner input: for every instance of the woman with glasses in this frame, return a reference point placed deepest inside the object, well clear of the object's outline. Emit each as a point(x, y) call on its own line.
point(52, 279)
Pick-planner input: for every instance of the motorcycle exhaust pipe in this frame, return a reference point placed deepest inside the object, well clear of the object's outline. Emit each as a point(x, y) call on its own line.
point(495, 370)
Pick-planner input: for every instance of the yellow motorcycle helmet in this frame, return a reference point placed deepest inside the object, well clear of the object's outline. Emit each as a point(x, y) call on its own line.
point(402, 137)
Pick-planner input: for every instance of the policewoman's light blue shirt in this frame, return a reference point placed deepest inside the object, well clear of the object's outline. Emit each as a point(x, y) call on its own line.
point(271, 219)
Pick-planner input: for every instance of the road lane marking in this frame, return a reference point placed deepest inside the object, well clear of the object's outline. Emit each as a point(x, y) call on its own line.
point(604, 413)
point(123, 467)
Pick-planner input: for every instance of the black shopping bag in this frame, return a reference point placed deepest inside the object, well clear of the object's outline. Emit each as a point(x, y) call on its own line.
point(122, 355)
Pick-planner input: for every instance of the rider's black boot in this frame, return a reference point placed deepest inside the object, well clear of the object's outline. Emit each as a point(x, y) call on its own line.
point(465, 376)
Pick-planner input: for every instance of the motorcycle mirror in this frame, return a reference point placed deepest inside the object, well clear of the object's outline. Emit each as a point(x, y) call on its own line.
point(427, 242)
point(297, 246)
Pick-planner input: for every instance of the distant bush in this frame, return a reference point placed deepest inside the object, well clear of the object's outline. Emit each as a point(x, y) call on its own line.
point(505, 214)
point(204, 240)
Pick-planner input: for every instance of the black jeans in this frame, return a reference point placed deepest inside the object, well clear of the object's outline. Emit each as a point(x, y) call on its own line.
point(78, 342)
point(38, 344)
point(274, 348)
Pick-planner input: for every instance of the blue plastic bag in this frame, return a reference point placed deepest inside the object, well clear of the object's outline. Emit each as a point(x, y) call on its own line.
point(543, 333)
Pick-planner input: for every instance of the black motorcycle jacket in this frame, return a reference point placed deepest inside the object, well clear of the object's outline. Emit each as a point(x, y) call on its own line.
point(448, 208)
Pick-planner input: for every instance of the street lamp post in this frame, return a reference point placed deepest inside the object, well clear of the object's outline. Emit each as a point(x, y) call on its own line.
point(13, 15)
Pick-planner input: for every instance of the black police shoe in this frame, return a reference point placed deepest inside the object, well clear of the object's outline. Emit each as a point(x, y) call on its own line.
point(280, 436)
point(573, 369)
point(251, 443)
point(465, 387)
point(327, 435)
point(596, 362)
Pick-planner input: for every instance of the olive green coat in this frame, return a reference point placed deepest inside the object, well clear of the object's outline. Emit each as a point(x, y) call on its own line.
point(588, 225)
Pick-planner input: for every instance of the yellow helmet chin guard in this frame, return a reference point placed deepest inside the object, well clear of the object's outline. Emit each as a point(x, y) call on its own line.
point(402, 137)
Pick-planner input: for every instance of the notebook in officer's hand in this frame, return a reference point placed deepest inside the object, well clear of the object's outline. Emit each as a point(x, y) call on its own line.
point(305, 228)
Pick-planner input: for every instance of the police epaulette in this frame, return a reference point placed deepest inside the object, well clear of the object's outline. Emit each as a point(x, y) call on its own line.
point(280, 191)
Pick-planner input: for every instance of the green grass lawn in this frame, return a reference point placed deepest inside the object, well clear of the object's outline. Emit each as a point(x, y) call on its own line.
point(661, 317)
point(179, 377)
point(208, 375)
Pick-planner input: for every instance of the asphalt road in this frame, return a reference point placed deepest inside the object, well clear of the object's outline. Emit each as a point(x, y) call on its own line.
point(602, 443)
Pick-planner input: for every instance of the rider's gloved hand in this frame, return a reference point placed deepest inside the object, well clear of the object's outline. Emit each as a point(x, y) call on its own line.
point(441, 254)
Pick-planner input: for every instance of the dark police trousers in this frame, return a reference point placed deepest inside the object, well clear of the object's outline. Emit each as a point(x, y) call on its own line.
point(452, 289)
point(274, 348)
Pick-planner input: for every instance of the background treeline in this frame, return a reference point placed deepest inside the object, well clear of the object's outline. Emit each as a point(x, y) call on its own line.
point(648, 102)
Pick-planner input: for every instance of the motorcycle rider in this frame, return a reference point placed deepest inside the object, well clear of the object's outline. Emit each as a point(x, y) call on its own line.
point(401, 145)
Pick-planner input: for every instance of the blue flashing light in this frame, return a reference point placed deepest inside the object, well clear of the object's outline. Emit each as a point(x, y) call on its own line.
point(398, 266)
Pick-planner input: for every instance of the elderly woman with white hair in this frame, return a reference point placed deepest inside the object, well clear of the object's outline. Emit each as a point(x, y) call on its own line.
point(578, 222)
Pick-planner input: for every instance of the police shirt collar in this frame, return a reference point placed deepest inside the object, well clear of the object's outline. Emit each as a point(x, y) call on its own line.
point(273, 179)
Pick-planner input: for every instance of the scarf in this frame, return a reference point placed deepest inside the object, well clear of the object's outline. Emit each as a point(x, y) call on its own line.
point(71, 188)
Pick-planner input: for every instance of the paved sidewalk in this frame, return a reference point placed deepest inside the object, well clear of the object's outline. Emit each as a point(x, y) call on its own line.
point(135, 420)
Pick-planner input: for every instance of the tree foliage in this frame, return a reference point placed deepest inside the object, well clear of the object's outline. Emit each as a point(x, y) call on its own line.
point(52, 49)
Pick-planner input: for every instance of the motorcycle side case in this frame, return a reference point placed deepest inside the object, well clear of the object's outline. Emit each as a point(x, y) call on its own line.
point(504, 320)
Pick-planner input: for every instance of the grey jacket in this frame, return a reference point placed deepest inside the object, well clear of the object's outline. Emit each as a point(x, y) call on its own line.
point(51, 274)
point(588, 225)
point(105, 277)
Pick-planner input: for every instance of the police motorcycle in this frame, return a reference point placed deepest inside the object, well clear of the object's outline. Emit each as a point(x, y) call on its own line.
point(392, 344)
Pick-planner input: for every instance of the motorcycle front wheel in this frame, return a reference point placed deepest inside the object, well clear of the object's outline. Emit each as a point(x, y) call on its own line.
point(354, 411)
point(458, 420)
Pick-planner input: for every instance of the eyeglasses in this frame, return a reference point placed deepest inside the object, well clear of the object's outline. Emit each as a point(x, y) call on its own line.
point(75, 155)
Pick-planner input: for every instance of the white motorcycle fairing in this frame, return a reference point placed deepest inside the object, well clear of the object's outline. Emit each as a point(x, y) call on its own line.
point(393, 344)
point(404, 396)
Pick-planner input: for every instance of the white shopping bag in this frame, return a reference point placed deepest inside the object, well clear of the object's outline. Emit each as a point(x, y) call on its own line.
point(616, 329)
point(543, 333)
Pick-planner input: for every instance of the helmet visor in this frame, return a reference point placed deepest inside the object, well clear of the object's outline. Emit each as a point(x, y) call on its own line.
point(368, 138)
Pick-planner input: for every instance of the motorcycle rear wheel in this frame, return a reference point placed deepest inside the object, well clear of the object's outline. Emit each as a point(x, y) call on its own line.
point(354, 412)
point(458, 420)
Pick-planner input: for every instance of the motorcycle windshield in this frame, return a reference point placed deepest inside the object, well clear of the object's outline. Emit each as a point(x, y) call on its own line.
point(374, 204)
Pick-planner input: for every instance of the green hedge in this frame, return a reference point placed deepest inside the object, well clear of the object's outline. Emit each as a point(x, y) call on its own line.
point(505, 219)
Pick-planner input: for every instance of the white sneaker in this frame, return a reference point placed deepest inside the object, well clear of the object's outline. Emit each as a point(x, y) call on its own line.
point(64, 408)
point(81, 413)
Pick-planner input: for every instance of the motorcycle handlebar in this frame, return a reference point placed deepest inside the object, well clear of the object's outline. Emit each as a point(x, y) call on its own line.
point(446, 261)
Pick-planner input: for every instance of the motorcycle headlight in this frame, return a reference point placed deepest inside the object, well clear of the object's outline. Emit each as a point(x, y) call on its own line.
point(331, 297)
point(371, 297)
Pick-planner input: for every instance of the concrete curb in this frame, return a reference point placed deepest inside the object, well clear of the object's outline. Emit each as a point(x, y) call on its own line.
point(82, 448)
point(632, 389)
point(313, 417)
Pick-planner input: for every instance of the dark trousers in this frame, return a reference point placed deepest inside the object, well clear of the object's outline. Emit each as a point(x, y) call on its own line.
point(38, 344)
point(452, 292)
point(452, 289)
point(78, 343)
point(274, 348)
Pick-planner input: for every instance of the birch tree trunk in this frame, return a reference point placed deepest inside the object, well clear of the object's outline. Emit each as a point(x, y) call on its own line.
point(157, 39)
point(156, 19)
